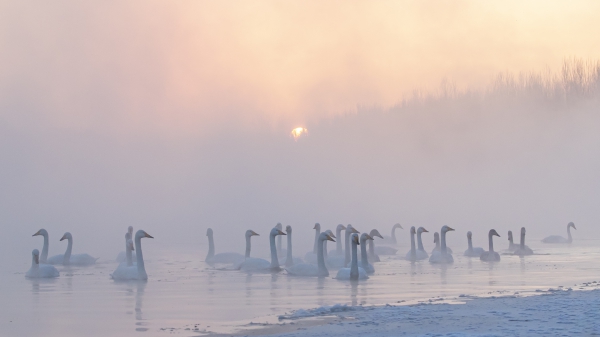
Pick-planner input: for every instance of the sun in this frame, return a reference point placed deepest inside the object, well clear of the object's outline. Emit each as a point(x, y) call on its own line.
point(299, 131)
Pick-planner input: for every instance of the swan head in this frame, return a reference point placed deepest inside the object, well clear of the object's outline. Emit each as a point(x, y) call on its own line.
point(446, 229)
point(250, 233)
point(66, 236)
point(375, 233)
point(317, 227)
point(142, 234)
point(422, 230)
point(364, 237)
point(523, 231)
point(340, 227)
point(288, 229)
point(209, 232)
point(35, 254)
point(279, 226)
point(351, 229)
point(571, 225)
point(330, 233)
point(326, 236)
point(397, 226)
point(510, 237)
point(354, 239)
point(494, 233)
point(275, 232)
point(127, 236)
point(413, 230)
point(41, 232)
point(436, 237)
point(469, 234)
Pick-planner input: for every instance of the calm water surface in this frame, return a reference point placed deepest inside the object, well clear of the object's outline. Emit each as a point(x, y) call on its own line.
point(186, 297)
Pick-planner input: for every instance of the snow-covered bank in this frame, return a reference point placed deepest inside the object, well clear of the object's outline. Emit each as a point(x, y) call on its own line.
point(554, 312)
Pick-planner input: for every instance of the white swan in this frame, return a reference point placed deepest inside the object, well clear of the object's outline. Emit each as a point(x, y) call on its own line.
point(123, 269)
point(364, 259)
point(347, 247)
point(224, 258)
point(421, 253)
point(412, 253)
point(122, 256)
point(282, 253)
point(330, 233)
point(339, 250)
point(443, 255)
point(391, 240)
point(511, 245)
point(289, 260)
point(336, 261)
point(137, 271)
point(523, 249)
point(38, 270)
point(438, 247)
point(491, 255)
point(560, 239)
point(252, 264)
point(71, 259)
point(311, 257)
point(472, 252)
point(307, 269)
point(354, 272)
point(373, 257)
point(44, 257)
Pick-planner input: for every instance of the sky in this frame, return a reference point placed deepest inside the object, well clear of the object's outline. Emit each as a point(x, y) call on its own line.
point(175, 116)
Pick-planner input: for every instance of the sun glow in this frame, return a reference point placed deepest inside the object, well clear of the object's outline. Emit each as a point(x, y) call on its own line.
point(297, 132)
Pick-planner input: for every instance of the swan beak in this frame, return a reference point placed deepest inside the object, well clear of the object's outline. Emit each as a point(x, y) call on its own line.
point(343, 227)
point(450, 229)
point(330, 238)
point(379, 235)
point(146, 235)
point(369, 237)
point(36, 233)
point(315, 227)
point(425, 231)
point(63, 238)
point(400, 226)
point(254, 233)
point(574, 226)
point(333, 236)
point(280, 232)
point(354, 230)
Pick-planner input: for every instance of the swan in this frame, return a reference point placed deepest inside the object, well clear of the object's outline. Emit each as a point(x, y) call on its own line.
point(391, 240)
point(364, 259)
point(412, 253)
point(472, 252)
point(307, 269)
point(280, 251)
point(137, 271)
point(330, 233)
point(44, 257)
point(123, 269)
point(224, 258)
point(289, 260)
point(38, 270)
point(71, 259)
point(436, 240)
point(311, 257)
point(421, 253)
point(122, 257)
point(354, 272)
point(373, 257)
point(347, 254)
point(491, 255)
point(443, 255)
point(511, 245)
point(560, 239)
point(523, 249)
point(252, 264)
point(339, 250)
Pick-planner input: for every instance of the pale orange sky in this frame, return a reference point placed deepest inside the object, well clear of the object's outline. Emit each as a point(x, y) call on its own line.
point(181, 66)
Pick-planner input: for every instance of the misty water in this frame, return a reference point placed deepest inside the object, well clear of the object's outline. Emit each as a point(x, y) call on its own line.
point(187, 297)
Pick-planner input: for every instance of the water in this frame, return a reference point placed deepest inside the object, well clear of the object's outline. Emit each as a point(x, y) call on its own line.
point(186, 297)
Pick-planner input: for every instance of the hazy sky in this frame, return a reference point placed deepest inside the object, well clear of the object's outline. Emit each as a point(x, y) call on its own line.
point(176, 114)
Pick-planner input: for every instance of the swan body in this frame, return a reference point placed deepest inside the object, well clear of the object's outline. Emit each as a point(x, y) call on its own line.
point(442, 256)
point(391, 240)
point(228, 258)
point(311, 270)
point(412, 253)
point(385, 250)
point(354, 272)
point(560, 239)
point(44, 257)
point(137, 271)
point(364, 261)
point(421, 253)
point(123, 269)
point(438, 247)
point(254, 265)
point(311, 257)
point(472, 251)
point(373, 257)
point(38, 270)
point(523, 250)
point(491, 255)
point(71, 259)
point(122, 256)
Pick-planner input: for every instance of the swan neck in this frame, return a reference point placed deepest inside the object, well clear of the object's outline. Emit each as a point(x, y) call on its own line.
point(34, 266)
point(364, 259)
point(338, 242)
point(522, 245)
point(470, 244)
point(443, 244)
point(347, 248)
point(211, 247)
point(274, 259)
point(570, 238)
point(128, 254)
point(412, 244)
point(248, 245)
point(316, 241)
point(324, 249)
point(321, 259)
point(491, 238)
point(372, 247)
point(140, 258)
point(67, 257)
point(279, 244)
point(44, 256)
point(354, 265)
point(289, 258)
point(394, 234)
point(419, 242)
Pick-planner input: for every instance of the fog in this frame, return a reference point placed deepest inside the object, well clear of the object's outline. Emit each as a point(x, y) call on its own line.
point(110, 117)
